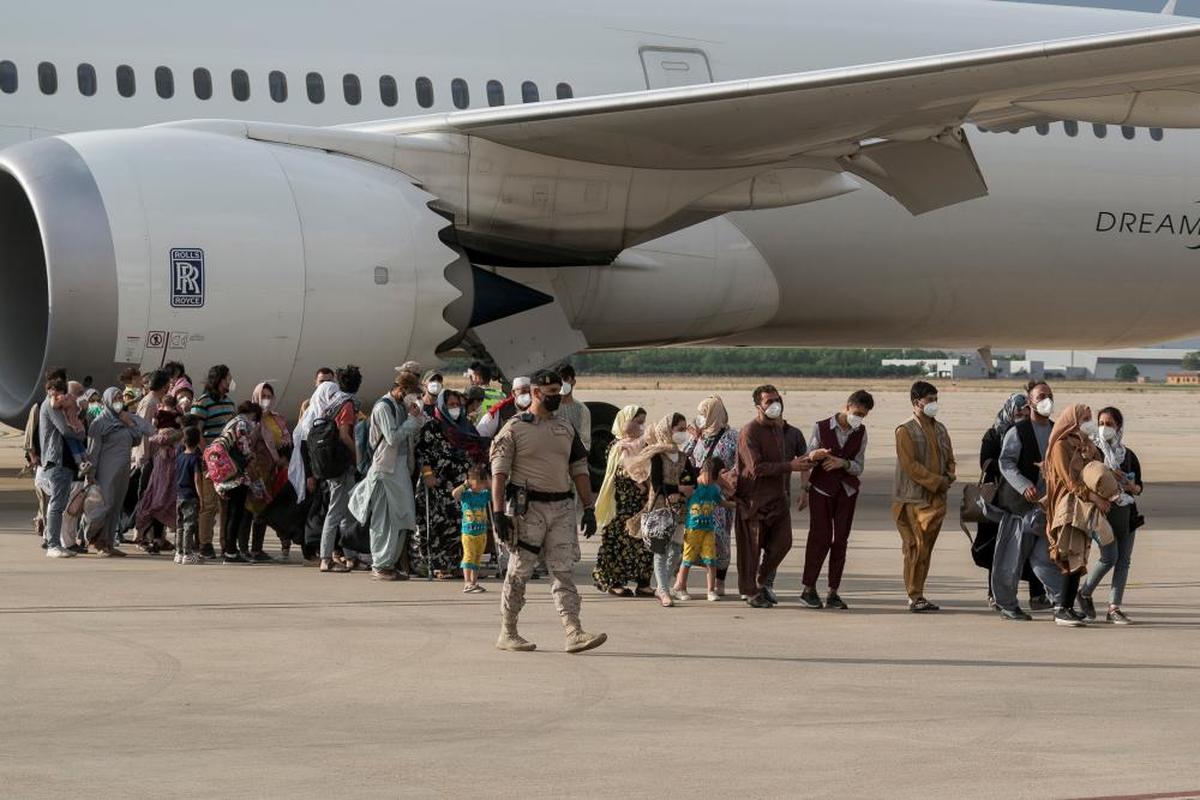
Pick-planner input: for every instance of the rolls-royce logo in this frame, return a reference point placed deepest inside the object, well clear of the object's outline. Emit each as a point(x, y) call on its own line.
point(187, 278)
point(1150, 223)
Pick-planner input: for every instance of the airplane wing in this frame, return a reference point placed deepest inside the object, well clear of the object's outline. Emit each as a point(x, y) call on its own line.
point(577, 181)
point(1145, 77)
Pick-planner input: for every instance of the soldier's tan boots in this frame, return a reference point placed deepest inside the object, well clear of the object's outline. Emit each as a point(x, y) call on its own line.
point(511, 640)
point(578, 640)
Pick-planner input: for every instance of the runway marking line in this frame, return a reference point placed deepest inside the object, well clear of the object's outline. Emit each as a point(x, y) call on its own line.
point(1163, 796)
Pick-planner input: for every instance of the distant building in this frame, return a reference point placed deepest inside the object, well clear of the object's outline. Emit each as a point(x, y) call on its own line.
point(1153, 363)
point(1185, 378)
point(969, 367)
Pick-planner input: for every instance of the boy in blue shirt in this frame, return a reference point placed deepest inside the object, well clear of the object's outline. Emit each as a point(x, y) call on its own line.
point(700, 538)
point(474, 497)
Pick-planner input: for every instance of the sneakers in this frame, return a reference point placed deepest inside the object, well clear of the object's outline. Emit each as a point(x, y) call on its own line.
point(1016, 616)
point(1086, 606)
point(178, 557)
point(207, 551)
point(713, 597)
point(189, 559)
point(233, 558)
point(682, 596)
point(471, 588)
point(832, 600)
point(665, 600)
point(810, 598)
point(769, 591)
point(383, 574)
point(579, 640)
point(760, 600)
point(1067, 619)
point(511, 641)
point(1117, 617)
point(59, 552)
point(1040, 603)
point(922, 606)
point(259, 558)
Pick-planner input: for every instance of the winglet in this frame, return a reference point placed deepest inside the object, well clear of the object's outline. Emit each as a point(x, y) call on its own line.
point(1169, 8)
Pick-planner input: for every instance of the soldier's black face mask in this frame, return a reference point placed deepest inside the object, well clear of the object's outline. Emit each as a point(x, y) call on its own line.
point(551, 402)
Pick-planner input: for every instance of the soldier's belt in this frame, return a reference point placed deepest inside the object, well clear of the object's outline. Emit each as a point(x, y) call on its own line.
point(550, 497)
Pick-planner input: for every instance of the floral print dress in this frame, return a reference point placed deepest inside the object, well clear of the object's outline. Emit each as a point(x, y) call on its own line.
point(623, 558)
point(449, 465)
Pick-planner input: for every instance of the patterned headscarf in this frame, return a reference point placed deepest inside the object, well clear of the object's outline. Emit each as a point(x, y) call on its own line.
point(1008, 412)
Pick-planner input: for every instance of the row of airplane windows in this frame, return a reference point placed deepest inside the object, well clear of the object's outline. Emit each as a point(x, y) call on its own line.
point(277, 86)
point(1071, 128)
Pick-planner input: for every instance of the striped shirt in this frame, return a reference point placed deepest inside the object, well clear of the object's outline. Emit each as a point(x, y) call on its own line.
point(214, 413)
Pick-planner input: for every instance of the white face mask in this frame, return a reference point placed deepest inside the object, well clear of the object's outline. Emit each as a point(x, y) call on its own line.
point(1108, 432)
point(265, 405)
point(118, 408)
point(184, 405)
point(930, 410)
point(854, 421)
point(454, 413)
point(232, 387)
point(524, 400)
point(700, 421)
point(681, 438)
point(1045, 406)
point(1089, 428)
point(775, 410)
point(434, 388)
point(566, 388)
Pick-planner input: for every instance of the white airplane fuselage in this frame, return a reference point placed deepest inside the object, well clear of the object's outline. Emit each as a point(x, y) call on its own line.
point(1081, 241)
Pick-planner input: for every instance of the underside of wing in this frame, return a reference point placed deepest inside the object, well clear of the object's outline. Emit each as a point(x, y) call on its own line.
point(578, 181)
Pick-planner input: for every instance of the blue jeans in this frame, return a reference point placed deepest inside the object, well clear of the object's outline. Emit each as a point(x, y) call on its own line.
point(60, 479)
point(1114, 557)
point(666, 565)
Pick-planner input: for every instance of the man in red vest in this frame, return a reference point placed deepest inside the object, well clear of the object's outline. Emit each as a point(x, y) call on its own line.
point(837, 447)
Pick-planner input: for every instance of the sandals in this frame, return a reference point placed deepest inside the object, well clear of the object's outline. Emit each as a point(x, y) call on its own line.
point(473, 588)
point(644, 591)
point(620, 591)
point(333, 566)
point(922, 606)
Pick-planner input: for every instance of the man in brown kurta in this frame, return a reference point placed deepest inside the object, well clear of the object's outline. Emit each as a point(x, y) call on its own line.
point(763, 518)
point(925, 470)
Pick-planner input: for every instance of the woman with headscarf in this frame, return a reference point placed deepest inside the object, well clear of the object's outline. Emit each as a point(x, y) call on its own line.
point(111, 438)
point(983, 550)
point(157, 503)
point(239, 436)
point(310, 492)
point(1123, 517)
point(446, 447)
point(269, 468)
point(621, 557)
point(1068, 499)
point(661, 457)
point(713, 438)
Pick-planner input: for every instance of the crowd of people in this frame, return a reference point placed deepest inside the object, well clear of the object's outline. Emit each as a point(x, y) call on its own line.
point(417, 482)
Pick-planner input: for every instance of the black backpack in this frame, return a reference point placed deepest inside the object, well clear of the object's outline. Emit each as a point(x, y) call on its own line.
point(328, 455)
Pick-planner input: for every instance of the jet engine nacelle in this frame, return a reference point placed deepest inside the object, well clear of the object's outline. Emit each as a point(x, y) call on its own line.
point(144, 246)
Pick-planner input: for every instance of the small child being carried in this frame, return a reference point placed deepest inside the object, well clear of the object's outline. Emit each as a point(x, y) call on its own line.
point(474, 496)
point(700, 538)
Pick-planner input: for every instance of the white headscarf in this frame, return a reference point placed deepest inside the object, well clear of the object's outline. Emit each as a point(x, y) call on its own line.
point(326, 397)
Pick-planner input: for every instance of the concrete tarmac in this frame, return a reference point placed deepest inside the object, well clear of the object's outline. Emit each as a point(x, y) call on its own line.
point(135, 678)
